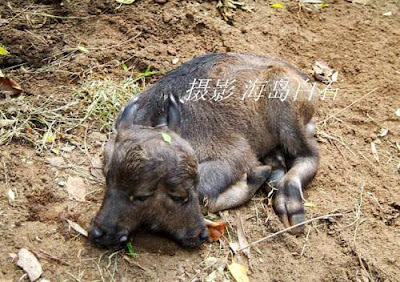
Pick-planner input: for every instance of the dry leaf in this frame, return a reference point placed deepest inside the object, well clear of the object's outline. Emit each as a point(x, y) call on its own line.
point(30, 264)
point(56, 161)
point(312, 1)
point(215, 229)
point(310, 205)
point(96, 168)
point(82, 49)
point(48, 137)
point(234, 247)
point(3, 51)
point(361, 2)
point(239, 272)
point(77, 227)
point(383, 132)
point(374, 151)
point(276, 5)
point(9, 87)
point(76, 188)
point(11, 196)
point(397, 112)
point(323, 73)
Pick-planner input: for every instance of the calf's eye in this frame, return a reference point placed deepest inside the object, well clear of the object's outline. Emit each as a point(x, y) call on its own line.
point(138, 198)
point(179, 199)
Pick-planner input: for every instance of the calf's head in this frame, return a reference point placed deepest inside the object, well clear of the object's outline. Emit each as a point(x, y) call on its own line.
point(150, 183)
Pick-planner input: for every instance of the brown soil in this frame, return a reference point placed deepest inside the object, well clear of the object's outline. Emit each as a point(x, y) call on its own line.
point(358, 41)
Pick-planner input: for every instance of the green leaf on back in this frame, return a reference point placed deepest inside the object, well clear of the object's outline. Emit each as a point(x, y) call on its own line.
point(3, 50)
point(125, 1)
point(167, 138)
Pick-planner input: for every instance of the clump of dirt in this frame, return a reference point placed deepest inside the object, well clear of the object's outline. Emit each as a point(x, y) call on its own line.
point(57, 47)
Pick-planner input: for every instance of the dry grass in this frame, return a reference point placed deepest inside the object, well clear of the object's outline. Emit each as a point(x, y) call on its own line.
point(51, 122)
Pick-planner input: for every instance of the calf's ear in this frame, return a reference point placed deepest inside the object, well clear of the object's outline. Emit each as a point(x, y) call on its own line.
point(125, 118)
point(173, 118)
point(174, 114)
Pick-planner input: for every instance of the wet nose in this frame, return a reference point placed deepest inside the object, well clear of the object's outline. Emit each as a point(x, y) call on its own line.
point(95, 232)
point(203, 236)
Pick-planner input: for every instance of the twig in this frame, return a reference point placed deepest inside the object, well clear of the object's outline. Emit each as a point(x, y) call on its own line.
point(58, 17)
point(290, 228)
point(348, 106)
point(305, 243)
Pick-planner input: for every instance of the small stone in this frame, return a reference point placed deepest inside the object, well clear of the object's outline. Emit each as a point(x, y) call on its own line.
point(175, 61)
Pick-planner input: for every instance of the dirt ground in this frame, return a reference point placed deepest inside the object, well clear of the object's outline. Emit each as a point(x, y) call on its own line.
point(358, 41)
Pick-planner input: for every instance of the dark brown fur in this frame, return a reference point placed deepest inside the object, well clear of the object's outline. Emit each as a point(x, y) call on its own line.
point(216, 151)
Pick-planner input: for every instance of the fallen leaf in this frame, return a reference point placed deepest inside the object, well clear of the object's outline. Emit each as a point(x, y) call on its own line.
point(312, 1)
point(383, 132)
point(11, 196)
point(215, 229)
point(167, 138)
point(3, 51)
point(324, 73)
point(234, 247)
point(68, 149)
point(77, 227)
point(210, 261)
point(82, 49)
point(96, 168)
point(323, 5)
point(211, 277)
point(387, 14)
point(9, 87)
point(397, 112)
point(76, 188)
point(361, 2)
point(374, 151)
point(239, 272)
point(1, 74)
point(30, 264)
point(335, 76)
point(276, 5)
point(310, 205)
point(48, 137)
point(125, 1)
point(56, 161)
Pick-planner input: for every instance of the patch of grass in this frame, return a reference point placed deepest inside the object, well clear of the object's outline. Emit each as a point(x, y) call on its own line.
point(50, 122)
point(130, 250)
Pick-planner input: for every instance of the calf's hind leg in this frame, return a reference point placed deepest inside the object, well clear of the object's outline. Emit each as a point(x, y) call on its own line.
point(288, 200)
point(240, 192)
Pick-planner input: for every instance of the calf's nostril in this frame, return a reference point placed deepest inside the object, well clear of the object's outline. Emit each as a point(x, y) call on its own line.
point(96, 232)
point(203, 235)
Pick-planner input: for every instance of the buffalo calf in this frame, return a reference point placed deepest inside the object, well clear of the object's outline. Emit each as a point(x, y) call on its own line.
point(210, 132)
